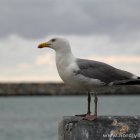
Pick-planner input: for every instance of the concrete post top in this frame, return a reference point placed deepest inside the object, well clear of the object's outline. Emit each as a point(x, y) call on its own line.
point(104, 128)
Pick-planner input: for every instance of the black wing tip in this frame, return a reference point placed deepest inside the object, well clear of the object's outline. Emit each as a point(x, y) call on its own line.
point(138, 77)
point(128, 82)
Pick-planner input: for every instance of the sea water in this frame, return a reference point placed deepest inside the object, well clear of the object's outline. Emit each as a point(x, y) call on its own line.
point(37, 118)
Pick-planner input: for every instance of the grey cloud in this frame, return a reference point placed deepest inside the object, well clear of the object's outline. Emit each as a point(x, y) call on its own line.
point(114, 17)
point(37, 18)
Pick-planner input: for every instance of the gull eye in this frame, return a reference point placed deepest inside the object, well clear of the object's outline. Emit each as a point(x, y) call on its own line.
point(53, 40)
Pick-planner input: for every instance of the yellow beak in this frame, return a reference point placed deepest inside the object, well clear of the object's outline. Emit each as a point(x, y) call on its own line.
point(42, 45)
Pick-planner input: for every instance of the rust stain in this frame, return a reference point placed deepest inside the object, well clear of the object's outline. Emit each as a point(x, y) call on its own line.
point(121, 128)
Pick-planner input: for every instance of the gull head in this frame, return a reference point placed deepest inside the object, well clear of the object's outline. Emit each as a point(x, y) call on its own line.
point(58, 44)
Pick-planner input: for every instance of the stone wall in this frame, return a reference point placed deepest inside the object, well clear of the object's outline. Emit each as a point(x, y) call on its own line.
point(25, 89)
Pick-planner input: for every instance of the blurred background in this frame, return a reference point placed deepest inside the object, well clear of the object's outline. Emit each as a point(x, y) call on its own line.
point(107, 31)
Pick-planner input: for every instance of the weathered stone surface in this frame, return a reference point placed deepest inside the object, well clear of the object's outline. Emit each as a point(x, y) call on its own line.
point(24, 89)
point(104, 128)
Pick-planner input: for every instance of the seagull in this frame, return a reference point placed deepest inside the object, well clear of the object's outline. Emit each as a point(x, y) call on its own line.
point(85, 74)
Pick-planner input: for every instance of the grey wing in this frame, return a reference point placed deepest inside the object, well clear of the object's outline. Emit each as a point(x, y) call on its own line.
point(101, 71)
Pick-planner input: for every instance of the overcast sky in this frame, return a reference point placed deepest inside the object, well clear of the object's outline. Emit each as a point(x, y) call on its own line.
point(106, 30)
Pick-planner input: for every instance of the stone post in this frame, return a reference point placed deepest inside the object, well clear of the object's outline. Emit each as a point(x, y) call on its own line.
point(104, 128)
